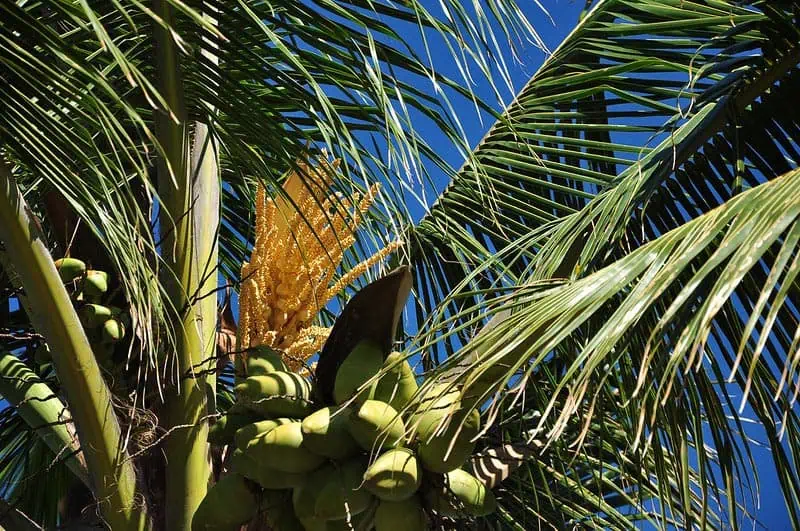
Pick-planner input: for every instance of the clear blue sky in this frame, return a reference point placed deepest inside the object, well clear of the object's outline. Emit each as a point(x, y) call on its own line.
point(772, 513)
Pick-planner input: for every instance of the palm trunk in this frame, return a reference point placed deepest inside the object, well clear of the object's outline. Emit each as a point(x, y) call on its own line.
point(189, 194)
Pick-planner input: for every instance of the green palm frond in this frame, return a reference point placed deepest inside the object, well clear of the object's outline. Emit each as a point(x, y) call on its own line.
point(598, 486)
point(667, 324)
point(624, 83)
point(26, 464)
point(288, 78)
point(658, 134)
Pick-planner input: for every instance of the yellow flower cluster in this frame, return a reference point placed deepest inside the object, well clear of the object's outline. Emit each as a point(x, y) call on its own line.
point(300, 241)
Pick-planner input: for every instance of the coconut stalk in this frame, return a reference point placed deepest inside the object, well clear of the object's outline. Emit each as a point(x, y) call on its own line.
point(111, 473)
point(188, 187)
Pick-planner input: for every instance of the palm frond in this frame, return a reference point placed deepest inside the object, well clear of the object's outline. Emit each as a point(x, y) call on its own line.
point(326, 74)
point(26, 463)
point(609, 104)
point(666, 325)
point(677, 131)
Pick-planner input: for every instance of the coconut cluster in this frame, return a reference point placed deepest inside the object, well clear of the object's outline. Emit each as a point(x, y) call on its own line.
point(365, 462)
point(104, 325)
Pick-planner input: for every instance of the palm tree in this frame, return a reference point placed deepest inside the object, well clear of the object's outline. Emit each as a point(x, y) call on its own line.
point(627, 229)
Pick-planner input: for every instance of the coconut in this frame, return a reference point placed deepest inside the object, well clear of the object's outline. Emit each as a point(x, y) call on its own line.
point(113, 330)
point(70, 269)
point(436, 404)
point(278, 393)
point(224, 429)
point(304, 498)
point(449, 450)
point(399, 384)
point(94, 315)
point(394, 476)
point(276, 507)
point(376, 425)
point(359, 522)
point(325, 432)
point(343, 494)
point(268, 478)
point(282, 448)
point(227, 505)
point(363, 362)
point(250, 432)
point(406, 515)
point(263, 360)
point(461, 495)
point(95, 283)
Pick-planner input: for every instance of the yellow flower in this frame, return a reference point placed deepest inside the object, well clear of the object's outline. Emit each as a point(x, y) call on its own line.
point(301, 238)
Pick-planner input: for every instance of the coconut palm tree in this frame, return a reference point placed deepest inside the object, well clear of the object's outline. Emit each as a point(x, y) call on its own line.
point(610, 278)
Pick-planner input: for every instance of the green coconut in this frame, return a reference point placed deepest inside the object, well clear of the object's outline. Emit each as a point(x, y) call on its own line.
point(263, 360)
point(399, 385)
point(95, 283)
point(376, 425)
point(279, 393)
point(94, 315)
point(276, 507)
point(343, 493)
point(449, 450)
point(304, 498)
point(359, 522)
point(113, 330)
point(222, 432)
point(313, 524)
point(252, 431)
point(394, 476)
point(70, 269)
point(406, 515)
point(461, 495)
point(325, 432)
point(437, 403)
point(227, 505)
point(269, 478)
point(363, 362)
point(282, 448)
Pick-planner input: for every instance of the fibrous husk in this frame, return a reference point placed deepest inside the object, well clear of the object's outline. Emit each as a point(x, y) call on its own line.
point(304, 498)
point(70, 269)
point(437, 403)
point(277, 509)
point(263, 360)
point(94, 315)
point(95, 283)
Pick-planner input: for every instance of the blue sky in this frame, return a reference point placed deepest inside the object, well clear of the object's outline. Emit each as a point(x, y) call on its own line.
point(772, 513)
